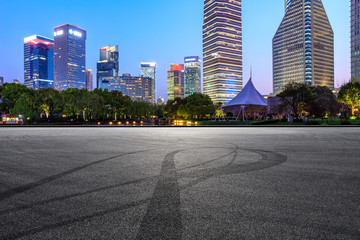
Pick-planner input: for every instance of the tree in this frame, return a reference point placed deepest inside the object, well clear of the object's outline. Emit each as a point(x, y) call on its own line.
point(325, 103)
point(172, 107)
point(9, 94)
point(28, 105)
point(72, 102)
point(296, 96)
point(199, 105)
point(349, 94)
point(50, 101)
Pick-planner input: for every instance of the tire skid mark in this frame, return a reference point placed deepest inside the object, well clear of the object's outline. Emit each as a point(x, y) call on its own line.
point(14, 191)
point(163, 215)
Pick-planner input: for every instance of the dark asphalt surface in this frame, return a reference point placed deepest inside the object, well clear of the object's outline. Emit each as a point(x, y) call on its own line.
point(180, 183)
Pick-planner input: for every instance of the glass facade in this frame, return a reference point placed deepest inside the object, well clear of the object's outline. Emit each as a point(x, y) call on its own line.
point(192, 78)
point(355, 39)
point(70, 57)
point(175, 82)
point(38, 62)
point(287, 4)
point(222, 49)
point(89, 80)
point(108, 66)
point(149, 70)
point(137, 88)
point(1, 81)
point(303, 46)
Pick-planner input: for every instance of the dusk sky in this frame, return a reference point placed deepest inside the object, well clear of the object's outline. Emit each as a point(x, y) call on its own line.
point(164, 31)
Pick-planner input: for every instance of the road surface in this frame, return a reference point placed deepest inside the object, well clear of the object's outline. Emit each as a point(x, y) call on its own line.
point(179, 183)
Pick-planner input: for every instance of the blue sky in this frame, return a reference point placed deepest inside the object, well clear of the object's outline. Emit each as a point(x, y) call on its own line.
point(164, 31)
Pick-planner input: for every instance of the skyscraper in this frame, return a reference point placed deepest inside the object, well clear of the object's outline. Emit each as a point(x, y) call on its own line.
point(137, 88)
point(303, 46)
point(355, 39)
point(1, 81)
point(38, 62)
point(149, 70)
point(175, 81)
point(222, 49)
point(192, 78)
point(108, 66)
point(70, 57)
point(287, 4)
point(89, 80)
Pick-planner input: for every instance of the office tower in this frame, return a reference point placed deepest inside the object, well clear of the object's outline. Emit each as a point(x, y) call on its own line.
point(38, 62)
point(70, 51)
point(303, 46)
point(108, 66)
point(89, 80)
point(1, 81)
point(222, 49)
point(192, 78)
point(355, 39)
point(149, 70)
point(287, 4)
point(137, 88)
point(175, 81)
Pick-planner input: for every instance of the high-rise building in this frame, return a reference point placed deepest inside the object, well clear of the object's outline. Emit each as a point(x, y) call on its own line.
point(70, 57)
point(16, 81)
point(303, 46)
point(1, 81)
point(108, 66)
point(137, 88)
point(192, 78)
point(175, 81)
point(222, 49)
point(89, 80)
point(38, 62)
point(355, 39)
point(149, 70)
point(287, 4)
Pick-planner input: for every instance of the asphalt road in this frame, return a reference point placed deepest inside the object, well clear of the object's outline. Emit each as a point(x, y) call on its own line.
point(179, 183)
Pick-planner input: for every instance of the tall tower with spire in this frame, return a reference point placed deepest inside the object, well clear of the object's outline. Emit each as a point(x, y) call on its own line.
point(303, 46)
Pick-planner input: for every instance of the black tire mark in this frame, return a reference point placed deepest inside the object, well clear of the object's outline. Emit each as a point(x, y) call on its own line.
point(162, 219)
point(14, 191)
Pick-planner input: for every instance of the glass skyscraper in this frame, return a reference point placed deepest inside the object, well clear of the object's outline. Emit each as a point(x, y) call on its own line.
point(108, 66)
point(70, 59)
point(287, 4)
point(175, 82)
point(137, 88)
point(222, 49)
point(38, 62)
point(192, 78)
point(303, 46)
point(148, 70)
point(355, 39)
point(1, 81)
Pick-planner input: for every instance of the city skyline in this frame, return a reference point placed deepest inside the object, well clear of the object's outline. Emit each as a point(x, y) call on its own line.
point(256, 43)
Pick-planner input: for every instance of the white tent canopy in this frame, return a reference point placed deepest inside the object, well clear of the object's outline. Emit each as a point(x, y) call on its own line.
point(249, 100)
point(248, 96)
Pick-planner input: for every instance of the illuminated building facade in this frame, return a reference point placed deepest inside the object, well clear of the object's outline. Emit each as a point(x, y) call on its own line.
point(38, 62)
point(222, 49)
point(148, 70)
point(303, 46)
point(355, 39)
point(89, 80)
point(70, 54)
point(1, 81)
point(192, 75)
point(108, 66)
point(287, 4)
point(175, 82)
point(137, 88)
